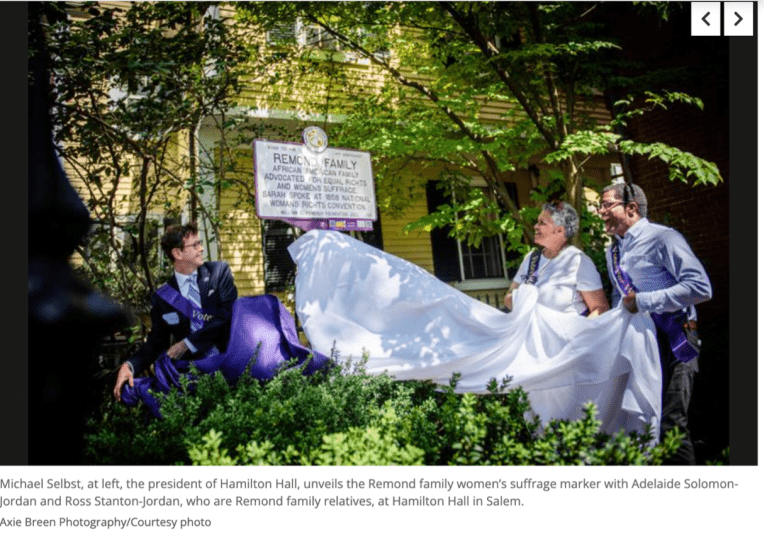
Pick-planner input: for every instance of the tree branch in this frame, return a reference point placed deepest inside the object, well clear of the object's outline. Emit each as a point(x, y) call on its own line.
point(490, 52)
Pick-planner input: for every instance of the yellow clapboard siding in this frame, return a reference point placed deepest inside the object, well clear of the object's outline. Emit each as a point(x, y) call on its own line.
point(415, 246)
point(240, 233)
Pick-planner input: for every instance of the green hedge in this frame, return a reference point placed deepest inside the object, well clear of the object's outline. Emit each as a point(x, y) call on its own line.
point(344, 417)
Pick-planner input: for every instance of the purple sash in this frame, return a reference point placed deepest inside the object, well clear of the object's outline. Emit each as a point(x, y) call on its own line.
point(262, 340)
point(532, 269)
point(671, 323)
point(184, 305)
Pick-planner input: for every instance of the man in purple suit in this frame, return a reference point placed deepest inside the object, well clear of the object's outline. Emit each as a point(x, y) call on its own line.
point(191, 313)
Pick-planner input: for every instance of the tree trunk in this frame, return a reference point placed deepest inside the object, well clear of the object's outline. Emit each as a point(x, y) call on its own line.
point(193, 169)
point(574, 192)
point(142, 224)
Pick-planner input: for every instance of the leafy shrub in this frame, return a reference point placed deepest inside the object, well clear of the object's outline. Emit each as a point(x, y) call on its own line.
point(345, 417)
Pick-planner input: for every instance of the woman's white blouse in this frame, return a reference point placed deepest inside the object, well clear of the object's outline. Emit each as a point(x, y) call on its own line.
point(561, 279)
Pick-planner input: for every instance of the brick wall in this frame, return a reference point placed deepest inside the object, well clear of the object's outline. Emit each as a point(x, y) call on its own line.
point(700, 213)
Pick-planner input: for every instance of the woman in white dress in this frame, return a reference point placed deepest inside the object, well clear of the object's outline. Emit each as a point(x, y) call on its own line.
point(566, 278)
point(355, 300)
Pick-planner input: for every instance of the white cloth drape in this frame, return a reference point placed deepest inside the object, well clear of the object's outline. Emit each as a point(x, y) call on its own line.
point(353, 298)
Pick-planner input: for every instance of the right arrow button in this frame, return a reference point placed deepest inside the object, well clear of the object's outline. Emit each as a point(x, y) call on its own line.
point(738, 19)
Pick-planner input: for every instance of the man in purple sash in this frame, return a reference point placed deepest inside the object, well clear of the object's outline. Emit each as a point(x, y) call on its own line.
point(192, 313)
point(653, 270)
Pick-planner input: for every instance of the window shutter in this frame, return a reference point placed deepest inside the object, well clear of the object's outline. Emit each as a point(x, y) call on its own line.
point(372, 237)
point(280, 268)
point(444, 249)
point(511, 187)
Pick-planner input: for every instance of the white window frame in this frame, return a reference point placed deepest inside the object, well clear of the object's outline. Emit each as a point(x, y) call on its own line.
point(483, 283)
point(303, 35)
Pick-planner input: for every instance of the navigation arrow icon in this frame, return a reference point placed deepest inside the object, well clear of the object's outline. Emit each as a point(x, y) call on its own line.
point(738, 16)
point(706, 17)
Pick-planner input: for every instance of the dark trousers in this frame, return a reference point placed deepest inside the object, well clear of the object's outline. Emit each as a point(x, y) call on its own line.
point(677, 390)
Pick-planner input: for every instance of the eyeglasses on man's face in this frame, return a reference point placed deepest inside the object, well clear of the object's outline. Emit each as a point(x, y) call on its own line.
point(608, 205)
point(196, 245)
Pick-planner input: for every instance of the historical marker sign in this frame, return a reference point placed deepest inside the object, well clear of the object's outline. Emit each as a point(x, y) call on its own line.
point(311, 185)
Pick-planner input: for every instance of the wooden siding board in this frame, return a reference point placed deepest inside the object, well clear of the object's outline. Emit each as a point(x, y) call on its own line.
point(415, 246)
point(240, 233)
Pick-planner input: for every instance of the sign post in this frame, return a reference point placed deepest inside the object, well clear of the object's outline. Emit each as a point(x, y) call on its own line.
point(313, 186)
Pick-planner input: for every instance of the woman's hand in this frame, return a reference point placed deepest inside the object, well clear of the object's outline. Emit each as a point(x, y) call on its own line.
point(595, 301)
point(507, 300)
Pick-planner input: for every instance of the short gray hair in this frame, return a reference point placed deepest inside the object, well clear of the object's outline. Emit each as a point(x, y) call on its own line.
point(563, 215)
point(632, 193)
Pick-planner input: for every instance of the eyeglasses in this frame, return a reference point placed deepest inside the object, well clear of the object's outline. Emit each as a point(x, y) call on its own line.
point(609, 205)
point(196, 245)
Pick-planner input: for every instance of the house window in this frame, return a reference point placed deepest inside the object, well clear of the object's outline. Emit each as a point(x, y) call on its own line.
point(101, 246)
point(456, 261)
point(119, 92)
point(282, 34)
point(616, 173)
point(304, 35)
point(485, 261)
point(314, 36)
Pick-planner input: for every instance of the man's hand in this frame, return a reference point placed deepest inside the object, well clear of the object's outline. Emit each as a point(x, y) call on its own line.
point(507, 300)
point(630, 302)
point(123, 375)
point(177, 350)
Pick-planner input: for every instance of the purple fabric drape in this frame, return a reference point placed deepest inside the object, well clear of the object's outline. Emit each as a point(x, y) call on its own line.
point(263, 331)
